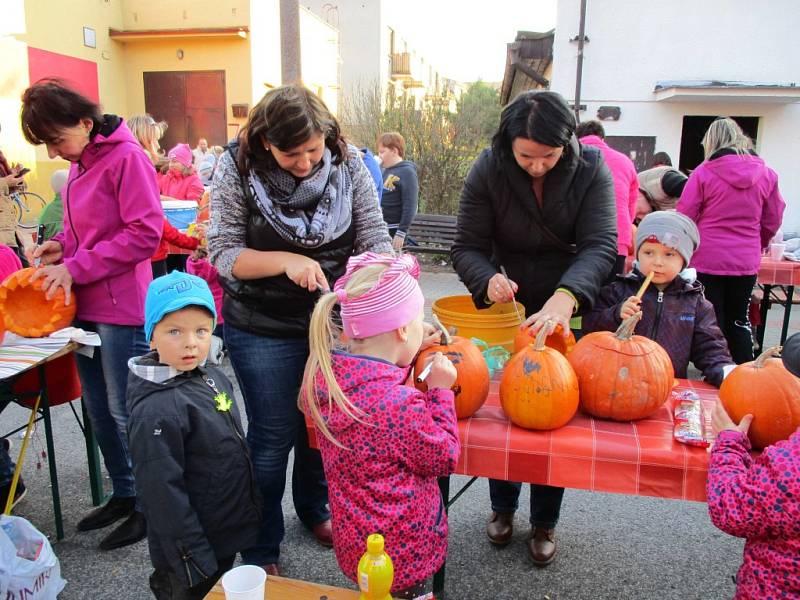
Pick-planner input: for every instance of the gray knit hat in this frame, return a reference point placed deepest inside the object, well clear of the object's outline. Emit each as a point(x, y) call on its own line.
point(672, 229)
point(791, 354)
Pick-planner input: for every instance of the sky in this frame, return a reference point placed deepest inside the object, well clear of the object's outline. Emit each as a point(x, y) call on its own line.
point(466, 40)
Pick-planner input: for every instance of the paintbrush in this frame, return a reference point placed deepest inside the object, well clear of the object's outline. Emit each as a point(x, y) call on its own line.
point(513, 299)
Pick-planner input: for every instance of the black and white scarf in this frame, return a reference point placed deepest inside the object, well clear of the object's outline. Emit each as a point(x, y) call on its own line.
point(311, 212)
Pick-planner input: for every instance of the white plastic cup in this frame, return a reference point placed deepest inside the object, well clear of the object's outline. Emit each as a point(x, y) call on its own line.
point(776, 251)
point(245, 582)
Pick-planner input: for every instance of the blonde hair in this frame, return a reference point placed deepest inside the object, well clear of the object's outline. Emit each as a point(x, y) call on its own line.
point(725, 133)
point(322, 336)
point(147, 132)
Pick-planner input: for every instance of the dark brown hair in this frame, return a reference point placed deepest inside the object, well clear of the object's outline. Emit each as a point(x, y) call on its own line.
point(287, 117)
point(393, 139)
point(49, 106)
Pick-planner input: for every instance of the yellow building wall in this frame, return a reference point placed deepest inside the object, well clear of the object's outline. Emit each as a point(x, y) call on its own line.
point(187, 14)
point(231, 55)
point(58, 27)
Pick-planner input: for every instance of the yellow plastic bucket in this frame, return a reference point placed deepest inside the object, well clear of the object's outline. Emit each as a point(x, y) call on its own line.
point(496, 325)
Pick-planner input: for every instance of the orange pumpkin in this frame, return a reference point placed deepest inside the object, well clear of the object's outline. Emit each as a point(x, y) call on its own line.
point(25, 309)
point(472, 381)
point(765, 389)
point(539, 389)
point(555, 340)
point(623, 377)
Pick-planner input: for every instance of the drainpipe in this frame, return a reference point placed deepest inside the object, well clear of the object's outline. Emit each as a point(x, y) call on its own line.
point(579, 74)
point(290, 42)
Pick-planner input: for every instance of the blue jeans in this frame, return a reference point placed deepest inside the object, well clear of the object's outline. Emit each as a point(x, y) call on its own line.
point(104, 379)
point(269, 372)
point(545, 501)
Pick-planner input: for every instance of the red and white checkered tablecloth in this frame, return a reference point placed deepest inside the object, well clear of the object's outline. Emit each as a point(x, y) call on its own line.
point(778, 272)
point(639, 458)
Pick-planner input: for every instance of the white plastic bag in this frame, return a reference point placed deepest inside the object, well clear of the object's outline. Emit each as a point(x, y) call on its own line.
point(29, 569)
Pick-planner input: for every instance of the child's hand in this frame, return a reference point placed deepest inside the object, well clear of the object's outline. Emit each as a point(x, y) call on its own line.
point(630, 307)
point(443, 373)
point(721, 421)
point(431, 336)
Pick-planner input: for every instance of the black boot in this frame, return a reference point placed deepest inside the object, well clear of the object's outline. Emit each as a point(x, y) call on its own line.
point(112, 511)
point(130, 531)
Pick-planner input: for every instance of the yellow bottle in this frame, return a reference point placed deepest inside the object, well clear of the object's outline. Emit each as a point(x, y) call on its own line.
point(375, 571)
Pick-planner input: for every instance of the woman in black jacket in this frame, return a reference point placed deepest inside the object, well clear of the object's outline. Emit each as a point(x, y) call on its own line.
point(542, 206)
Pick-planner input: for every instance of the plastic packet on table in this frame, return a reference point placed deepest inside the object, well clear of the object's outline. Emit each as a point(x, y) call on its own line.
point(690, 420)
point(495, 356)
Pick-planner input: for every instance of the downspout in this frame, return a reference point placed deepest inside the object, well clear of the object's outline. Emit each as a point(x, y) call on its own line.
point(579, 73)
point(290, 42)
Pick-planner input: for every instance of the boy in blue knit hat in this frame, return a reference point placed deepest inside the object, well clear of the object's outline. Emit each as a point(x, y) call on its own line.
point(192, 468)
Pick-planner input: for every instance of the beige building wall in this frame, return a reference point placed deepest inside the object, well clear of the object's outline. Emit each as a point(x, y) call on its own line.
point(319, 58)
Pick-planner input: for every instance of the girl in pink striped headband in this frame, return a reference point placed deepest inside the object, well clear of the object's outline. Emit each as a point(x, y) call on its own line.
point(383, 443)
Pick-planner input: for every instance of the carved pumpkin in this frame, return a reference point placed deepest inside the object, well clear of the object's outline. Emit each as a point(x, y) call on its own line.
point(555, 340)
point(539, 389)
point(25, 309)
point(765, 389)
point(472, 382)
point(622, 376)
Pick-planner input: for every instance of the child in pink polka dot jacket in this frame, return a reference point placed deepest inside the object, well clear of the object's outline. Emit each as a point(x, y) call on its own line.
point(383, 442)
point(759, 500)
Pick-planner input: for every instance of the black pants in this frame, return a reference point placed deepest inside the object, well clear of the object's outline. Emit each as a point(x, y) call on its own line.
point(159, 268)
point(730, 295)
point(617, 269)
point(545, 501)
point(165, 585)
point(176, 262)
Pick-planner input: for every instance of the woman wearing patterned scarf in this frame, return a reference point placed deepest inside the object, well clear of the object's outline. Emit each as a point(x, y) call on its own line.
point(291, 201)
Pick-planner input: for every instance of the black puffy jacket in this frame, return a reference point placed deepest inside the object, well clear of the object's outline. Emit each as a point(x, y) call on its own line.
point(500, 223)
point(192, 468)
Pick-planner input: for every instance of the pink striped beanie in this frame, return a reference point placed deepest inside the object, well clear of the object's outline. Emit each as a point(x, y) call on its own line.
point(392, 303)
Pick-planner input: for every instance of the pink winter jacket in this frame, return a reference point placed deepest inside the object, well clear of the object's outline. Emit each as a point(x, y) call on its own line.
point(626, 189)
point(759, 499)
point(385, 481)
point(112, 225)
point(179, 186)
point(9, 262)
point(205, 270)
point(737, 206)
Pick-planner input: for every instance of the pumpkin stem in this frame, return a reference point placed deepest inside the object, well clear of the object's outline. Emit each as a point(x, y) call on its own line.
point(625, 331)
point(768, 353)
point(541, 336)
point(446, 339)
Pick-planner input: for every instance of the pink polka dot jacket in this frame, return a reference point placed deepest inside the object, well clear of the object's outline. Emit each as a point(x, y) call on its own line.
point(759, 499)
point(385, 479)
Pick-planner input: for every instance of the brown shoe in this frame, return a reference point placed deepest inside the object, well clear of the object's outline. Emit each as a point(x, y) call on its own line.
point(542, 546)
point(323, 533)
point(500, 528)
point(271, 569)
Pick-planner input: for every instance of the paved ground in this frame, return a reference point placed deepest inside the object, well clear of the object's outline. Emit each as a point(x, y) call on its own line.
point(610, 546)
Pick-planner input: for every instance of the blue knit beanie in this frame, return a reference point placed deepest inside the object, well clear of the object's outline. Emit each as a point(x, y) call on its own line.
point(671, 229)
point(173, 292)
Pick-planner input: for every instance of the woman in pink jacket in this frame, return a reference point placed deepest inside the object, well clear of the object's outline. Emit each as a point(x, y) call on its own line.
point(734, 199)
point(383, 442)
point(759, 499)
point(112, 225)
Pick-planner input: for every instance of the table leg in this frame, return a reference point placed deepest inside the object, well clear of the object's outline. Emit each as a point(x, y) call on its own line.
point(51, 456)
point(438, 577)
point(92, 459)
point(763, 309)
point(787, 313)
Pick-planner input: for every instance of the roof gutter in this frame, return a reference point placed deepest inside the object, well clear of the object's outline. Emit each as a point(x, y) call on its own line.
point(579, 74)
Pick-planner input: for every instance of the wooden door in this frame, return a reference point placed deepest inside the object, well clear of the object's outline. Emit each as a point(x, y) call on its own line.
point(191, 102)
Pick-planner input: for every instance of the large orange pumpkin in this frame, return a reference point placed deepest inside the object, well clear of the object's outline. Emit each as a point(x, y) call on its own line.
point(25, 309)
point(622, 376)
point(472, 381)
point(555, 340)
point(539, 389)
point(765, 389)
